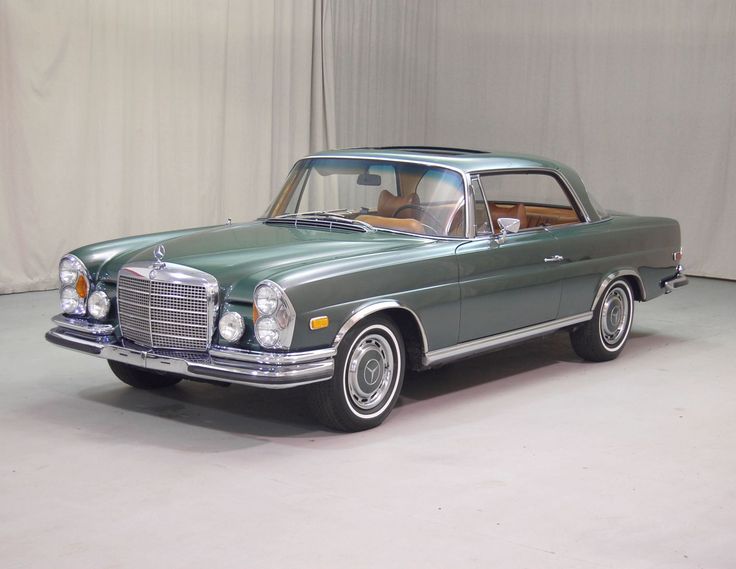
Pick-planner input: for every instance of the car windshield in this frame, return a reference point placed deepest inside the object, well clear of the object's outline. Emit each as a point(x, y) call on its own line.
point(397, 196)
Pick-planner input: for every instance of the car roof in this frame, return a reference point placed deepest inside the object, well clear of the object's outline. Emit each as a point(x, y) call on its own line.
point(465, 160)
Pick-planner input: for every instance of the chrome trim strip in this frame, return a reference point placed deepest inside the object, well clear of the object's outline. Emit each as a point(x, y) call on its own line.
point(81, 325)
point(267, 358)
point(473, 347)
point(549, 171)
point(612, 277)
point(369, 309)
point(463, 174)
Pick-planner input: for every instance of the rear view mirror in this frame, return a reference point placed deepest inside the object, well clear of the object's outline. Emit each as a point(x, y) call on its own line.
point(366, 179)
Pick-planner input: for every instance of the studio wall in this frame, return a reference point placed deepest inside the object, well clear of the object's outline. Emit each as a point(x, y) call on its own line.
point(119, 118)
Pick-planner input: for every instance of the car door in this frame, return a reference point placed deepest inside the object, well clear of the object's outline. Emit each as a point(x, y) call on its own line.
point(506, 283)
point(506, 286)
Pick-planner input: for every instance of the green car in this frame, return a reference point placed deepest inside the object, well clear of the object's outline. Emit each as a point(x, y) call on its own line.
point(368, 262)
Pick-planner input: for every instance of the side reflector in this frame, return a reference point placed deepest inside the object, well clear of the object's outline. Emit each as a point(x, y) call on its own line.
point(319, 322)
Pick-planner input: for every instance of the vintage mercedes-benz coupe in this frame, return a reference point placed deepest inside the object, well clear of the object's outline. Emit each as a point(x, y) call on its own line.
point(368, 262)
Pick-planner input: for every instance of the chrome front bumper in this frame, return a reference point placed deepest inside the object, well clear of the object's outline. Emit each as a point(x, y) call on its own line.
point(229, 365)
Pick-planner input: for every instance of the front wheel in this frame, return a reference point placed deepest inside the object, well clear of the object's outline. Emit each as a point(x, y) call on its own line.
point(369, 372)
point(141, 378)
point(603, 337)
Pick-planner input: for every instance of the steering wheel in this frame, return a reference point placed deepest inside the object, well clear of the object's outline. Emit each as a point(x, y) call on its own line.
point(424, 213)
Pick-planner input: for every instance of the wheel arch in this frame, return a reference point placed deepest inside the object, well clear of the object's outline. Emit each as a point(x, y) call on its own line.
point(631, 276)
point(408, 322)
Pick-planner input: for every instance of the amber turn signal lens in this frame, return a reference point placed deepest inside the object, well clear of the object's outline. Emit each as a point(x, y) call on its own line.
point(82, 286)
point(256, 314)
point(319, 322)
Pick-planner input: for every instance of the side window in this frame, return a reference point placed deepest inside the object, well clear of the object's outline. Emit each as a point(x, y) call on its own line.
point(482, 222)
point(535, 199)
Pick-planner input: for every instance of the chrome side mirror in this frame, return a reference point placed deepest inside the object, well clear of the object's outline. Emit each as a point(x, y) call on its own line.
point(508, 225)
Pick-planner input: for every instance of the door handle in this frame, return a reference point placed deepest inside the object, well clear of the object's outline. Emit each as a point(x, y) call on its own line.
point(554, 259)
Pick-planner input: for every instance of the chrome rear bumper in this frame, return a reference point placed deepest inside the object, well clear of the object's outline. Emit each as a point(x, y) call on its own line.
point(229, 365)
point(676, 281)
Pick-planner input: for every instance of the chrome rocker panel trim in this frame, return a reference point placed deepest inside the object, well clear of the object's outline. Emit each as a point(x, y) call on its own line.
point(255, 369)
point(473, 347)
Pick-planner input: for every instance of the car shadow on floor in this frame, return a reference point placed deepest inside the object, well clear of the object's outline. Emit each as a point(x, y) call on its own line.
point(283, 414)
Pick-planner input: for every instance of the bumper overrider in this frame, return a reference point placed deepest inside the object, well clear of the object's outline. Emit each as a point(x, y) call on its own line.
point(219, 364)
point(679, 279)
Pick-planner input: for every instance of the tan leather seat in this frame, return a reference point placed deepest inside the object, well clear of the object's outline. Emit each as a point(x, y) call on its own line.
point(517, 211)
point(389, 204)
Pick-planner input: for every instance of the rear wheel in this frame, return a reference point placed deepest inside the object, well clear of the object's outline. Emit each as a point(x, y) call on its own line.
point(603, 337)
point(369, 372)
point(141, 378)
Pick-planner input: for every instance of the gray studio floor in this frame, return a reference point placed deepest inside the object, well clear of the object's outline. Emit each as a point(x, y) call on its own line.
point(523, 458)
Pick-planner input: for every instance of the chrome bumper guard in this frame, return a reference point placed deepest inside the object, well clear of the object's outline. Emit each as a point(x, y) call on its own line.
point(221, 364)
point(676, 281)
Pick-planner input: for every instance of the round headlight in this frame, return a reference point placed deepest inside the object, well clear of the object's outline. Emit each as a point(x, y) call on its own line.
point(69, 270)
point(70, 301)
point(267, 332)
point(98, 305)
point(266, 298)
point(231, 326)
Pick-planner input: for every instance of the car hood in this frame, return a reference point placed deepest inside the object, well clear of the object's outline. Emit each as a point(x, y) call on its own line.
point(243, 254)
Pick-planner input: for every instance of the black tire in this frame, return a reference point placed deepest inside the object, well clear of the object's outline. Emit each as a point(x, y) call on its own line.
point(141, 378)
point(603, 337)
point(359, 396)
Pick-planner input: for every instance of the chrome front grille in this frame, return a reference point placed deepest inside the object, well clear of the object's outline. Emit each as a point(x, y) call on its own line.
point(174, 310)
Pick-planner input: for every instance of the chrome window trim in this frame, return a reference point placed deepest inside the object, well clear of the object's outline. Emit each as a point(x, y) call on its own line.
point(463, 174)
point(473, 347)
point(546, 171)
point(476, 177)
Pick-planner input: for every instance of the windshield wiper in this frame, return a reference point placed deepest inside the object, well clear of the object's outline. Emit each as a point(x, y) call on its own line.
point(333, 215)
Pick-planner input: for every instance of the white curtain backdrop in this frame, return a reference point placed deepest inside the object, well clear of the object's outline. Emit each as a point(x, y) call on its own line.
point(127, 117)
point(124, 117)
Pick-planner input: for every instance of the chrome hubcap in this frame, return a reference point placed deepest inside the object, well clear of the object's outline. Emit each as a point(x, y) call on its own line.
point(370, 371)
point(614, 316)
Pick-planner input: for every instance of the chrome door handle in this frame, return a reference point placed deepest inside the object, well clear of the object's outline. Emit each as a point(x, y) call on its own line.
point(554, 259)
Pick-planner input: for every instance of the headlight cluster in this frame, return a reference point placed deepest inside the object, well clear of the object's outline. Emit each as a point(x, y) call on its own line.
point(74, 294)
point(273, 316)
